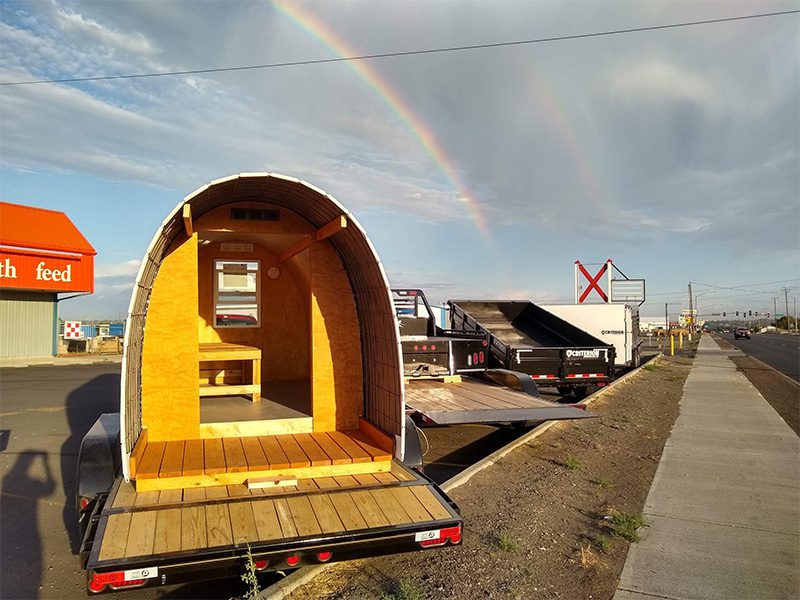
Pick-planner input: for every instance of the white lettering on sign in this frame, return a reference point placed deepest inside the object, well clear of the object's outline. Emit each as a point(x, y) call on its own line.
point(423, 536)
point(43, 274)
point(146, 573)
point(7, 270)
point(583, 353)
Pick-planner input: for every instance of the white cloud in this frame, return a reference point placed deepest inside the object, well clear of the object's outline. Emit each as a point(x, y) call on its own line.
point(125, 268)
point(129, 42)
point(658, 81)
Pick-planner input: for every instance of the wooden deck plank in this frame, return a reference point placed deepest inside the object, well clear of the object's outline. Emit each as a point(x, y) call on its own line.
point(306, 484)
point(279, 491)
point(151, 461)
point(367, 444)
point(429, 501)
point(273, 452)
point(115, 537)
point(142, 533)
point(285, 518)
point(216, 491)
point(172, 462)
point(168, 531)
point(243, 523)
point(194, 533)
point(310, 448)
point(357, 453)
point(325, 512)
point(411, 505)
point(213, 456)
point(125, 495)
point(303, 515)
point(386, 477)
point(146, 498)
point(256, 460)
point(194, 494)
point(348, 512)
point(170, 496)
point(332, 449)
point(267, 524)
point(390, 507)
point(346, 481)
point(237, 491)
point(297, 458)
point(367, 479)
point(193, 457)
point(369, 509)
point(326, 483)
point(401, 473)
point(218, 524)
point(235, 462)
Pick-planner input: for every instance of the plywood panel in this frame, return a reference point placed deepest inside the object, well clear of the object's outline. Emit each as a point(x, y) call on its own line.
point(282, 334)
point(170, 402)
point(337, 392)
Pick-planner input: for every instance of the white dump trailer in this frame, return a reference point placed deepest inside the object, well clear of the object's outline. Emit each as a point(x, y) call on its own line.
point(616, 324)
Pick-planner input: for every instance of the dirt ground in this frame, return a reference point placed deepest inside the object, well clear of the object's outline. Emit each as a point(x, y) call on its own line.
point(782, 393)
point(534, 522)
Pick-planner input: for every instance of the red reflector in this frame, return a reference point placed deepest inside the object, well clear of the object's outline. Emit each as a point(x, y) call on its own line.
point(433, 347)
point(324, 556)
point(292, 560)
point(416, 347)
point(96, 587)
point(130, 583)
point(475, 358)
point(84, 503)
point(453, 534)
point(115, 577)
point(260, 564)
point(424, 347)
point(485, 343)
point(482, 355)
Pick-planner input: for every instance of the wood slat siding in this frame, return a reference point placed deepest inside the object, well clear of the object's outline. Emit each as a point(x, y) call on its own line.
point(381, 363)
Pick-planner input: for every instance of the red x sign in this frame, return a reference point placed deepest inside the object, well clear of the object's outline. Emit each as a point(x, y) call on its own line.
point(593, 282)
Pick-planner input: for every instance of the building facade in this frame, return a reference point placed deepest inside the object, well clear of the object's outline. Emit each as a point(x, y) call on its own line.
point(42, 254)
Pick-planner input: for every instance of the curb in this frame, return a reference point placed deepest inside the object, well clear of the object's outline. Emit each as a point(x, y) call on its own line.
point(286, 586)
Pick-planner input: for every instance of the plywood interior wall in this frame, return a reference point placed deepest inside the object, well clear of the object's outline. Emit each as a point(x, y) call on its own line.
point(337, 390)
point(170, 390)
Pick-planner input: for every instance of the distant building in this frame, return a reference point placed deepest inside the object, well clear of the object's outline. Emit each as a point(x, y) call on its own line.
point(42, 254)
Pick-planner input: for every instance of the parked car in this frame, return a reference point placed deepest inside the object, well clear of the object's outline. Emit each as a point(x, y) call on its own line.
point(741, 332)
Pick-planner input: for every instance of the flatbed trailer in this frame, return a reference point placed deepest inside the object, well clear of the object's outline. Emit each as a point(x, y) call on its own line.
point(447, 379)
point(262, 403)
point(526, 338)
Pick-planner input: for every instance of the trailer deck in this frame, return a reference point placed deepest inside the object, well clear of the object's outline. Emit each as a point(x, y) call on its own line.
point(472, 401)
point(148, 527)
point(502, 326)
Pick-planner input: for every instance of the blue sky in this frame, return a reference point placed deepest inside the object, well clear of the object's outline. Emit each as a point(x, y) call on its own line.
point(675, 153)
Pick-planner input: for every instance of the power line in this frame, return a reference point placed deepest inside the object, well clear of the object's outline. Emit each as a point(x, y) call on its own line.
point(302, 63)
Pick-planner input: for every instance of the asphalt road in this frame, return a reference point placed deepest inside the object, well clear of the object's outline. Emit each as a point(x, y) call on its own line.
point(781, 352)
point(45, 412)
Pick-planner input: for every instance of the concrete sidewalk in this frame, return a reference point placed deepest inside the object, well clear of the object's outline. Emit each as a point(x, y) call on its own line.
point(724, 508)
point(87, 359)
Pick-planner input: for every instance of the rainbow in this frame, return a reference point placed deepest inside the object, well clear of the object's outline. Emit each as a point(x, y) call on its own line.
point(391, 98)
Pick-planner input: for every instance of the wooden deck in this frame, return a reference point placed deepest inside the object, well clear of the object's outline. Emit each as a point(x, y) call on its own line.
point(235, 460)
point(152, 523)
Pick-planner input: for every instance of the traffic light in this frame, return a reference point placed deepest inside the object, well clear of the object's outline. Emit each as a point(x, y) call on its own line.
point(750, 312)
point(724, 314)
point(737, 313)
point(756, 313)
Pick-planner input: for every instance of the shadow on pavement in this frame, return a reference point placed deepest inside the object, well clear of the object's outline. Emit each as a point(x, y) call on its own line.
point(28, 481)
point(84, 405)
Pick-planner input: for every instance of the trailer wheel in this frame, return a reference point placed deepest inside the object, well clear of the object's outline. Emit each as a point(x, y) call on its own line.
point(564, 390)
point(582, 392)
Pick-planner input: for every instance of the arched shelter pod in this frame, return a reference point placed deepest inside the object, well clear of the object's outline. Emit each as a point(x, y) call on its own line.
point(326, 262)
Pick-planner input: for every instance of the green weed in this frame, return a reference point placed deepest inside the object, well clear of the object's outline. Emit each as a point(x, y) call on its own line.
point(625, 525)
point(504, 542)
point(572, 463)
point(401, 589)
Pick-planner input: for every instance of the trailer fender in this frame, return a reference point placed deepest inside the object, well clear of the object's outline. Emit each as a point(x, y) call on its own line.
point(412, 457)
point(513, 379)
point(98, 459)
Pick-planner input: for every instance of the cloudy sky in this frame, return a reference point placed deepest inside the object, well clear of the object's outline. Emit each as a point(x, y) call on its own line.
point(481, 173)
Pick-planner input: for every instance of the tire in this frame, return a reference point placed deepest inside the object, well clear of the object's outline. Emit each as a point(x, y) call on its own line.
point(564, 390)
point(582, 392)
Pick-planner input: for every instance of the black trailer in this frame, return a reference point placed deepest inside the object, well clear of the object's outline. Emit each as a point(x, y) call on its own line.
point(434, 360)
point(527, 338)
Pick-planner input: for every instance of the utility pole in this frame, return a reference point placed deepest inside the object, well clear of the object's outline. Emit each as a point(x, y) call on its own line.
point(786, 297)
point(691, 311)
point(666, 318)
point(775, 311)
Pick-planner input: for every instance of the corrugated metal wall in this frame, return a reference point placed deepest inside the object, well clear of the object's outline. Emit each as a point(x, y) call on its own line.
point(26, 323)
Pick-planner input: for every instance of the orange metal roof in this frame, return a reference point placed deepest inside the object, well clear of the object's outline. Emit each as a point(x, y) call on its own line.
point(32, 227)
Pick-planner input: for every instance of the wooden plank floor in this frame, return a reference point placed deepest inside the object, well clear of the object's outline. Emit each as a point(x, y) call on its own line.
point(154, 524)
point(467, 395)
point(234, 460)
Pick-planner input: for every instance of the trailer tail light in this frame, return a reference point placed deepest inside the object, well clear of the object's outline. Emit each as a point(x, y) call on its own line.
point(469, 360)
point(416, 347)
point(475, 359)
point(260, 565)
point(485, 343)
point(84, 502)
point(449, 534)
point(292, 560)
point(324, 556)
point(433, 347)
point(482, 356)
